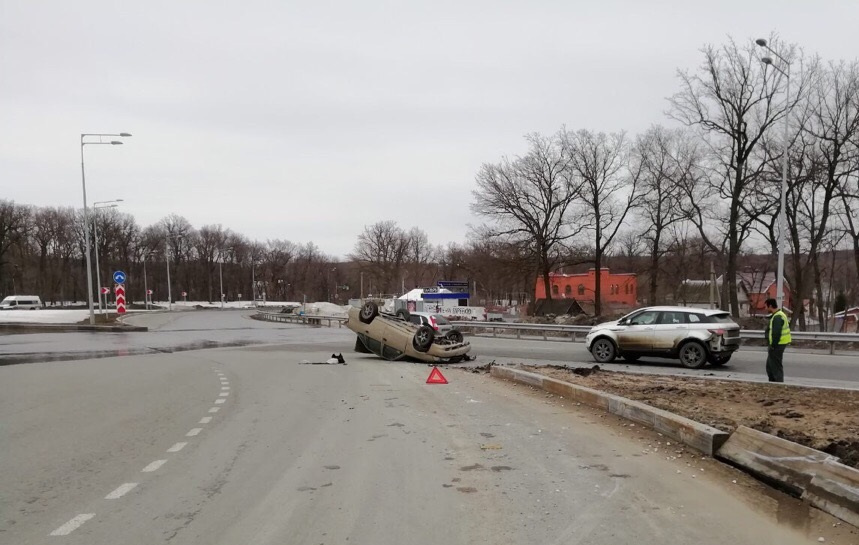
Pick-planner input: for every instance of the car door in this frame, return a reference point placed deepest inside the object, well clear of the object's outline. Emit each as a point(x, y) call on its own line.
point(670, 328)
point(637, 334)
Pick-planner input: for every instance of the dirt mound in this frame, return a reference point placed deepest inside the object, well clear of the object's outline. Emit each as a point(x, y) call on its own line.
point(824, 419)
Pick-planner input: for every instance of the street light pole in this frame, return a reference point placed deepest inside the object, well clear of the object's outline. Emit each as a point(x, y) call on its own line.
point(784, 167)
point(86, 214)
point(221, 275)
point(95, 206)
point(145, 285)
point(169, 291)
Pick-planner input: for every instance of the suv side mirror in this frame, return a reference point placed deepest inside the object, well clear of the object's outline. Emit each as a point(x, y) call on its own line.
point(622, 321)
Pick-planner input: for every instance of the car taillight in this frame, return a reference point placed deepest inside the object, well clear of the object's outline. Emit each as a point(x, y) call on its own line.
point(433, 324)
point(717, 331)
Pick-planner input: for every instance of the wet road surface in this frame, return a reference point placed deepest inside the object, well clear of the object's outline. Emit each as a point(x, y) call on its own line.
point(246, 445)
point(192, 330)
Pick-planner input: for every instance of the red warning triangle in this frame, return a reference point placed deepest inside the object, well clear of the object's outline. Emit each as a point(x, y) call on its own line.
point(436, 377)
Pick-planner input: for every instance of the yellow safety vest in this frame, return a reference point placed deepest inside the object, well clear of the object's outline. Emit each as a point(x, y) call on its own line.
point(785, 329)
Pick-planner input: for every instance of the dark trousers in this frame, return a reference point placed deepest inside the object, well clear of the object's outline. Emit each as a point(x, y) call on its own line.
point(775, 371)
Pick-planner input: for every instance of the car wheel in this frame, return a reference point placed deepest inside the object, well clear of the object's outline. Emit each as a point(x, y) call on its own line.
point(360, 348)
point(631, 357)
point(403, 315)
point(455, 336)
point(603, 350)
point(423, 338)
point(368, 312)
point(693, 355)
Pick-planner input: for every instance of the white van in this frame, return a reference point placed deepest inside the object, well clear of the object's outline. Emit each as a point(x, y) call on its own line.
point(21, 302)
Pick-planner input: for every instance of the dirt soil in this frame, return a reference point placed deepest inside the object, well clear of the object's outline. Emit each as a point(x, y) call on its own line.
point(824, 419)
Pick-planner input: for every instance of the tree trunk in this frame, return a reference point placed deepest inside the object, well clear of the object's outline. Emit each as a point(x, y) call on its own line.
point(598, 282)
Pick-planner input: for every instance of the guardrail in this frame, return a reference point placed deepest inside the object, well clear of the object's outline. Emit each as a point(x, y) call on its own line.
point(578, 332)
point(299, 319)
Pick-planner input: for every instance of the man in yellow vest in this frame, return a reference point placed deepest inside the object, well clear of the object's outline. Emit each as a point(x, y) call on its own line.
point(777, 335)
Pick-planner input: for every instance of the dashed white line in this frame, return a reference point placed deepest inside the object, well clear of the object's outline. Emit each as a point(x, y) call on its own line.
point(220, 401)
point(205, 420)
point(214, 409)
point(193, 432)
point(225, 387)
point(72, 525)
point(224, 394)
point(121, 491)
point(154, 466)
point(177, 447)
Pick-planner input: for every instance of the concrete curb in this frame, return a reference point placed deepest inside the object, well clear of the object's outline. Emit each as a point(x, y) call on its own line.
point(835, 489)
point(62, 328)
point(694, 434)
point(816, 476)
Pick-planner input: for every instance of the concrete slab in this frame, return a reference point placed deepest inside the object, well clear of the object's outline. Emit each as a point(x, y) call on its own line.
point(789, 465)
point(694, 434)
point(835, 489)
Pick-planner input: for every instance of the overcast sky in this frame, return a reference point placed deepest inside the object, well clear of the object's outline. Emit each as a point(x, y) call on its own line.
point(306, 121)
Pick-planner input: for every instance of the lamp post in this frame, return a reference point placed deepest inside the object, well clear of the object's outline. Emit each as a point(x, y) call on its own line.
point(167, 256)
point(145, 285)
point(95, 205)
point(221, 272)
point(328, 281)
point(100, 141)
point(782, 212)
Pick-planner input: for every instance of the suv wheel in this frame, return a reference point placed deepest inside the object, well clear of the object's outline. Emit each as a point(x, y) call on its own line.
point(423, 338)
point(455, 336)
point(603, 350)
point(693, 355)
point(369, 311)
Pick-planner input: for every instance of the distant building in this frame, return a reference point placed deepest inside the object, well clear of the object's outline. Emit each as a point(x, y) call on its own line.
point(753, 289)
point(617, 289)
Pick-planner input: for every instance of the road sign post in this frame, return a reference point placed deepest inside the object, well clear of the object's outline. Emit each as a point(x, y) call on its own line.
point(119, 291)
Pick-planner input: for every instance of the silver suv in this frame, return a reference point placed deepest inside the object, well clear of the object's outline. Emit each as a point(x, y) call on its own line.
point(695, 336)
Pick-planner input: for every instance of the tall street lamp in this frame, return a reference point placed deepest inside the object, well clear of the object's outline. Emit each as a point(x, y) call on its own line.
point(167, 255)
point(221, 272)
point(145, 285)
point(96, 206)
point(782, 217)
point(101, 140)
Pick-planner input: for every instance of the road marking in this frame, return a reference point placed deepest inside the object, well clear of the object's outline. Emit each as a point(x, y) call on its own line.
point(214, 409)
point(121, 491)
point(193, 432)
point(205, 420)
point(224, 394)
point(177, 447)
point(154, 466)
point(219, 401)
point(72, 525)
point(225, 387)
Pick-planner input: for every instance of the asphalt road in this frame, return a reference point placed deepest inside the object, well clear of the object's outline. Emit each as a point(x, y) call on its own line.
point(246, 445)
point(191, 330)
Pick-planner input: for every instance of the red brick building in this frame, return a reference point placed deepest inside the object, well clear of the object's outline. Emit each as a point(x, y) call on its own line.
point(619, 289)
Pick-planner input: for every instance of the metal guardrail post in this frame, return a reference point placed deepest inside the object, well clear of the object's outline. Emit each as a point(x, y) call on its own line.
point(831, 348)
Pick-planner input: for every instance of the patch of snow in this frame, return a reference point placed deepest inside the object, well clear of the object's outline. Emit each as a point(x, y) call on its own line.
point(43, 316)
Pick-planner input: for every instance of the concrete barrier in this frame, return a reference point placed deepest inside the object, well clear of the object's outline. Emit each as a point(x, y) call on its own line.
point(694, 434)
point(835, 489)
point(789, 465)
point(815, 476)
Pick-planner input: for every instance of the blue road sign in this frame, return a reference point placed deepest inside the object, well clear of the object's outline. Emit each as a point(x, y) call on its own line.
point(119, 277)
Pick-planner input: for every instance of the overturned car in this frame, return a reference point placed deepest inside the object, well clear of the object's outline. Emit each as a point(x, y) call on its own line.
point(395, 337)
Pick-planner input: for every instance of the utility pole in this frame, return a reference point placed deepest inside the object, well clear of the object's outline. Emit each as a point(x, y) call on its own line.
point(712, 286)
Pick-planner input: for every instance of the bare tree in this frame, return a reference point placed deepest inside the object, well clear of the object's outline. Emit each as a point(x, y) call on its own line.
point(669, 165)
point(14, 225)
point(608, 190)
point(526, 201)
point(735, 102)
point(383, 248)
